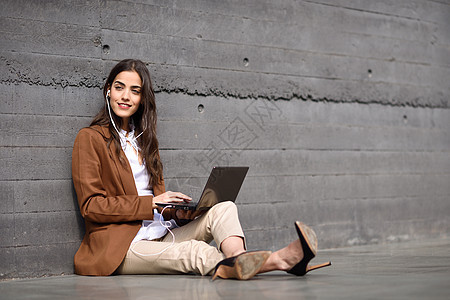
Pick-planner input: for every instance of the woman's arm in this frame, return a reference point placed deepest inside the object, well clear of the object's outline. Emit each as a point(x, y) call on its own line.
point(100, 195)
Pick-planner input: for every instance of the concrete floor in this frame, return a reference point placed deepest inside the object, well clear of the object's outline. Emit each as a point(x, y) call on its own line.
point(410, 270)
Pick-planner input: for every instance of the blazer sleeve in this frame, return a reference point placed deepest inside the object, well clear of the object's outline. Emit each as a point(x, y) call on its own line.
point(97, 188)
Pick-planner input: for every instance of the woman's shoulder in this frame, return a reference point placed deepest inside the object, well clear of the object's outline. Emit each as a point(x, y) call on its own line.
point(93, 135)
point(90, 144)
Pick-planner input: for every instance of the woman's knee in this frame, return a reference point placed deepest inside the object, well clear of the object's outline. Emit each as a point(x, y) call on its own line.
point(225, 206)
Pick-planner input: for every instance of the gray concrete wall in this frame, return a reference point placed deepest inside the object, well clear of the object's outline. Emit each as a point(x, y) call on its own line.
point(340, 108)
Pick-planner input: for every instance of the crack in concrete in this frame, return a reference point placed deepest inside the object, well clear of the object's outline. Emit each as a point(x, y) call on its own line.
point(18, 73)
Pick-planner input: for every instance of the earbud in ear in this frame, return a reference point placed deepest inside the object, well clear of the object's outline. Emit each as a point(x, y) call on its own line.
point(108, 93)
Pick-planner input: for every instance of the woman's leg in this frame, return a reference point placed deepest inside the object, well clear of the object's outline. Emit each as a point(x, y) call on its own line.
point(284, 259)
point(220, 223)
point(152, 257)
point(296, 256)
point(190, 251)
point(232, 246)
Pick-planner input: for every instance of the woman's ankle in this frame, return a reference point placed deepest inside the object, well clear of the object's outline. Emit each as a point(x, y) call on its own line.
point(285, 258)
point(274, 263)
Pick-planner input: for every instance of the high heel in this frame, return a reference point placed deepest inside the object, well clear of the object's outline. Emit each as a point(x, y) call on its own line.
point(243, 266)
point(308, 241)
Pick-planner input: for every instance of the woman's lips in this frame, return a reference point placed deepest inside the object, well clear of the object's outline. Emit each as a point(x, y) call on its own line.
point(123, 105)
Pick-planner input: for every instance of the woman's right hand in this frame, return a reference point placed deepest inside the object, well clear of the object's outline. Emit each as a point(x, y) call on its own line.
point(170, 196)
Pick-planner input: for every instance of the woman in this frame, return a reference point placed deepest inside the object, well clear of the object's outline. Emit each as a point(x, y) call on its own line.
point(118, 177)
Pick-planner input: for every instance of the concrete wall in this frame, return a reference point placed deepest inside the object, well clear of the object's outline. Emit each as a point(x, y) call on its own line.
point(340, 108)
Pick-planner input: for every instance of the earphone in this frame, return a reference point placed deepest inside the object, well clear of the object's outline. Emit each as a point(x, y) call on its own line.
point(108, 93)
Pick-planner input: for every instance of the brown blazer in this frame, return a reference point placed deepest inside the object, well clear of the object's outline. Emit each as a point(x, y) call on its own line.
point(108, 202)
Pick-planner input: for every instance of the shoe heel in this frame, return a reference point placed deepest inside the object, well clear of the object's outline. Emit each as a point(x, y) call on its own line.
point(312, 268)
point(214, 276)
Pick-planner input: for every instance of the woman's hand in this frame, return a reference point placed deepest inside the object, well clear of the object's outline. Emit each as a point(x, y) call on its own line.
point(169, 196)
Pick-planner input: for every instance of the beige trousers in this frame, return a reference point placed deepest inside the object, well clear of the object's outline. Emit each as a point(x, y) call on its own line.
point(191, 252)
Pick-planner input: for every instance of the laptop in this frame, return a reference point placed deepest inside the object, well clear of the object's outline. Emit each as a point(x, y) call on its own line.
point(223, 184)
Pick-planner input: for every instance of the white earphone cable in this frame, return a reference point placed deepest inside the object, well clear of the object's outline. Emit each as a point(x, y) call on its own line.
point(134, 139)
point(167, 226)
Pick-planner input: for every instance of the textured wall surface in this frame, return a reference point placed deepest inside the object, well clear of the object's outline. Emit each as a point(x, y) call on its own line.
point(340, 108)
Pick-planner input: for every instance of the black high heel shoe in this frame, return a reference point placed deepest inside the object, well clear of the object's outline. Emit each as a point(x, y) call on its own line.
point(243, 266)
point(308, 241)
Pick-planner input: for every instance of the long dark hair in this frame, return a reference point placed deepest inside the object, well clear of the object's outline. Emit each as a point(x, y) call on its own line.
point(144, 119)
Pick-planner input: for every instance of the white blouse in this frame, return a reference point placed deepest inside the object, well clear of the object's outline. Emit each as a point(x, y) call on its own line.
point(150, 229)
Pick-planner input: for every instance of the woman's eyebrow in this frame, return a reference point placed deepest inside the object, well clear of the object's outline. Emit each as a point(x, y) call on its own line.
point(123, 84)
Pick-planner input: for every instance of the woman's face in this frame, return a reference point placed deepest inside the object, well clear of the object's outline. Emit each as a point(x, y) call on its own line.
point(126, 95)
